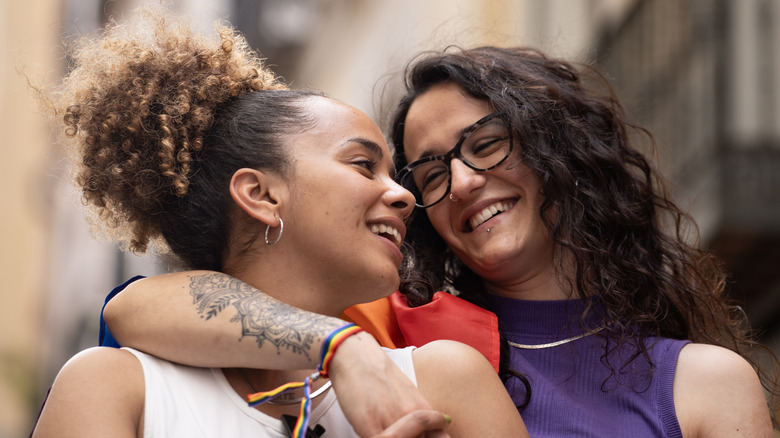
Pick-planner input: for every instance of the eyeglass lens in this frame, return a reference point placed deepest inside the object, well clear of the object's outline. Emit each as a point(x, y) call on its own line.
point(484, 148)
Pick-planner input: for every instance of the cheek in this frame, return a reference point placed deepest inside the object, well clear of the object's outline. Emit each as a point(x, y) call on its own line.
point(439, 218)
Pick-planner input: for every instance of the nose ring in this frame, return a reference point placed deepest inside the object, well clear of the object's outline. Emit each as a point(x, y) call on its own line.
point(452, 198)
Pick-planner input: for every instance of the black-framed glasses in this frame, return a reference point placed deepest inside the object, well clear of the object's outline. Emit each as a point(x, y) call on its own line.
point(483, 146)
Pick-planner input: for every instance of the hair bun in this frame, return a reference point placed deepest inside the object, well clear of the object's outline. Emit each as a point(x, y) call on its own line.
point(137, 106)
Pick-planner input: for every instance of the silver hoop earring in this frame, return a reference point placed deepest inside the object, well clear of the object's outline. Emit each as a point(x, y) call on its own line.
point(281, 230)
point(452, 198)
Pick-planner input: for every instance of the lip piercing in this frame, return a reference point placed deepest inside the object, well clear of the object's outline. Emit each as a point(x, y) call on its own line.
point(452, 198)
point(488, 230)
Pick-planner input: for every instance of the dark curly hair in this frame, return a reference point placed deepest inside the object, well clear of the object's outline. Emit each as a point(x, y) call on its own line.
point(613, 218)
point(159, 118)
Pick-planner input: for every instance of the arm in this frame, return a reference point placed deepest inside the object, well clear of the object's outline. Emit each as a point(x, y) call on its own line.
point(718, 394)
point(98, 393)
point(213, 320)
point(210, 319)
point(457, 380)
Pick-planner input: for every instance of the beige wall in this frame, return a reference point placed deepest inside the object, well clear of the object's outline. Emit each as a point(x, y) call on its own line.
point(351, 55)
point(27, 36)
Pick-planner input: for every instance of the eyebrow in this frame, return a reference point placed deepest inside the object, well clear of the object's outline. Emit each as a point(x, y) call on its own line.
point(372, 146)
point(429, 153)
point(374, 149)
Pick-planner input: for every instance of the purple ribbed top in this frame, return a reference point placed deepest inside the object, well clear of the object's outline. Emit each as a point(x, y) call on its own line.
point(572, 395)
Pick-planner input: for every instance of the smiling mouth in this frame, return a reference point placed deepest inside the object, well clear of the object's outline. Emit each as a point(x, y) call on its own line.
point(488, 212)
point(387, 232)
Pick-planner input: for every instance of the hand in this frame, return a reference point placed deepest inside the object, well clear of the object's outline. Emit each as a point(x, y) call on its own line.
point(372, 391)
point(428, 424)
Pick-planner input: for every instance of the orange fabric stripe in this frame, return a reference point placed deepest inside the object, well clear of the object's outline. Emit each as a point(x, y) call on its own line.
point(378, 319)
point(395, 325)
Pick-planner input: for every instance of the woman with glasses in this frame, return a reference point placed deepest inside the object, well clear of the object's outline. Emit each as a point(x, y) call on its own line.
point(536, 203)
point(567, 234)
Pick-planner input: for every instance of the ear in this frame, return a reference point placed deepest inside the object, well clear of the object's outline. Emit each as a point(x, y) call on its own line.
point(259, 194)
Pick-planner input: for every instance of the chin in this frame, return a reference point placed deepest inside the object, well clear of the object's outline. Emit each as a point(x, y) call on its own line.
point(383, 285)
point(486, 258)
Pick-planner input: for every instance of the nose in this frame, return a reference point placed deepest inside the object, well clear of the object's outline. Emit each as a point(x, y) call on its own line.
point(398, 197)
point(463, 179)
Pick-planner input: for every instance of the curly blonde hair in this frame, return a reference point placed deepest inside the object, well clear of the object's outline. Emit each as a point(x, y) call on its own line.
point(137, 105)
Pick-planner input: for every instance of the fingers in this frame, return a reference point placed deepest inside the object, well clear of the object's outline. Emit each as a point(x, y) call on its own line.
point(418, 423)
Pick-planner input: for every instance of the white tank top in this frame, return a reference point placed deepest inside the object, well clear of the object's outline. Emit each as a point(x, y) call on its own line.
point(189, 402)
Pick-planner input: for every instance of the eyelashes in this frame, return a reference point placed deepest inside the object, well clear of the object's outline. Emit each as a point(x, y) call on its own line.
point(369, 165)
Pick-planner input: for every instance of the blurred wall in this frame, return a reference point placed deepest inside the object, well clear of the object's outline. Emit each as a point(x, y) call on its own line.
point(27, 36)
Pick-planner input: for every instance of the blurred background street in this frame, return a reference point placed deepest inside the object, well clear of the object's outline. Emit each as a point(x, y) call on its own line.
point(702, 75)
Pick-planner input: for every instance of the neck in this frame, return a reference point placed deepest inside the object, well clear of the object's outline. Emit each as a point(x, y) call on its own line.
point(541, 286)
point(284, 277)
point(541, 282)
point(290, 284)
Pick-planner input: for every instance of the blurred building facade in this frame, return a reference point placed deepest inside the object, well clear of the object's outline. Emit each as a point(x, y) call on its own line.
point(699, 74)
point(704, 77)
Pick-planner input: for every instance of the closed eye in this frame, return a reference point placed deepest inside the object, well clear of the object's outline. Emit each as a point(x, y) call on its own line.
point(433, 178)
point(487, 147)
point(367, 164)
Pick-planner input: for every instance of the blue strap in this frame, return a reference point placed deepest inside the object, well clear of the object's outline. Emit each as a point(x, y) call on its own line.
point(106, 338)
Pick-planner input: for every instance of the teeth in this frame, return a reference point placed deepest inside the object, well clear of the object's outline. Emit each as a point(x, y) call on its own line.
point(387, 230)
point(488, 212)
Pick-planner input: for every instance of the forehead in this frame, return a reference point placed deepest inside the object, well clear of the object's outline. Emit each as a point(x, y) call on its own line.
point(336, 124)
point(437, 118)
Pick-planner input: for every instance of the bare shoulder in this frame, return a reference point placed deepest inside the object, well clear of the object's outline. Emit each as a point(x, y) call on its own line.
point(718, 393)
point(101, 365)
point(458, 380)
point(98, 392)
point(440, 355)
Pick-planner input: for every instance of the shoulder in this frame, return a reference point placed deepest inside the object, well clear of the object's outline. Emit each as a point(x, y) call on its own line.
point(704, 363)
point(442, 354)
point(99, 390)
point(458, 380)
point(718, 393)
point(440, 363)
point(103, 363)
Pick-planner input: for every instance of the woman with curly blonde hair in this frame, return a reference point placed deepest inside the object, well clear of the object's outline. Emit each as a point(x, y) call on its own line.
point(191, 144)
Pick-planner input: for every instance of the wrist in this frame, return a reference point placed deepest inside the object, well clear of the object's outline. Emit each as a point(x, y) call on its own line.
point(355, 352)
point(332, 343)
